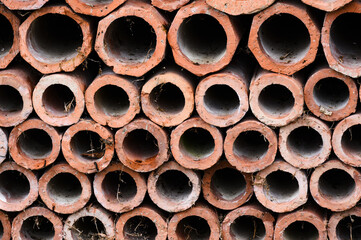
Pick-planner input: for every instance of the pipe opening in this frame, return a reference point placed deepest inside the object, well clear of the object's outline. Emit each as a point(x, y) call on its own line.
point(54, 38)
point(284, 38)
point(193, 227)
point(64, 188)
point(35, 143)
point(221, 99)
point(349, 228)
point(59, 100)
point(336, 184)
point(276, 100)
point(37, 227)
point(87, 145)
point(305, 142)
point(345, 42)
point(351, 141)
point(248, 227)
point(88, 228)
point(130, 39)
point(111, 100)
point(6, 37)
point(140, 145)
point(228, 184)
point(96, 2)
point(251, 145)
point(174, 185)
point(331, 93)
point(10, 100)
point(281, 186)
point(14, 186)
point(197, 143)
point(202, 39)
point(301, 230)
point(119, 186)
point(168, 98)
point(140, 228)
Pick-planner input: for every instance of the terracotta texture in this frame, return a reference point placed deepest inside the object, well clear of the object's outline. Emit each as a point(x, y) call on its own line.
point(336, 186)
point(63, 189)
point(18, 187)
point(94, 8)
point(250, 146)
point(343, 225)
point(174, 188)
point(66, 45)
point(329, 5)
point(225, 187)
point(34, 144)
point(338, 41)
point(203, 40)
point(153, 224)
point(222, 98)
point(189, 223)
point(308, 223)
point(112, 100)
point(247, 222)
point(284, 38)
point(344, 140)
point(59, 98)
point(132, 40)
point(24, 5)
point(3, 144)
point(10, 40)
point(196, 144)
point(276, 99)
point(168, 98)
point(330, 95)
point(305, 143)
point(281, 187)
point(16, 86)
point(169, 5)
point(33, 223)
point(6, 226)
point(142, 145)
point(87, 146)
point(91, 221)
point(234, 7)
point(119, 189)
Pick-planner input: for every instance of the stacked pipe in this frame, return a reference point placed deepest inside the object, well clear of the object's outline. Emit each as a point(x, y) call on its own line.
point(180, 119)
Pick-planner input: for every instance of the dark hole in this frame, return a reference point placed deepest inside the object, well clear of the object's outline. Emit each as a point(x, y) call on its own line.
point(1, 230)
point(284, 38)
point(6, 37)
point(119, 187)
point(351, 141)
point(301, 230)
point(59, 100)
point(193, 227)
point(202, 39)
point(197, 143)
point(130, 39)
point(280, 186)
point(140, 228)
point(140, 145)
point(54, 38)
point(88, 145)
point(37, 227)
point(174, 185)
point(167, 98)
point(345, 42)
point(10, 99)
point(112, 100)
point(64, 188)
point(336, 184)
point(228, 183)
point(14, 186)
point(251, 145)
point(35, 143)
point(349, 228)
point(276, 100)
point(248, 227)
point(88, 228)
point(305, 142)
point(221, 100)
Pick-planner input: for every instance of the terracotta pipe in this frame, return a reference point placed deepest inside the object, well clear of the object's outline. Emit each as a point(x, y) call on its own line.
point(24, 5)
point(328, 6)
point(5, 229)
point(234, 7)
point(94, 8)
point(344, 225)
